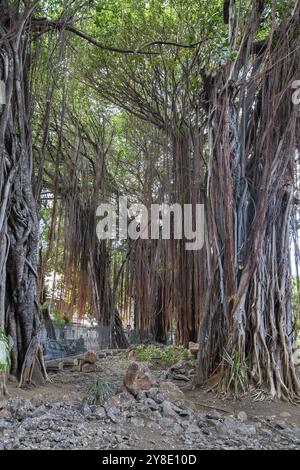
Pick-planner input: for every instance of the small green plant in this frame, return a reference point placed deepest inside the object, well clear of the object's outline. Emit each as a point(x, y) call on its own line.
point(98, 392)
point(170, 355)
point(237, 373)
point(5, 360)
point(58, 318)
point(146, 353)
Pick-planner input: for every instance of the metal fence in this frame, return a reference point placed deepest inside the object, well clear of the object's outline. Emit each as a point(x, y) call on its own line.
point(72, 339)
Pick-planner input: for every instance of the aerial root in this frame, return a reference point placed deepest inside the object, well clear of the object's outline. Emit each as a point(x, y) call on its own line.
point(3, 387)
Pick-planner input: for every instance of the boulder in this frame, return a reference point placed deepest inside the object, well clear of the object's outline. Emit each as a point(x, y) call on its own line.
point(138, 377)
point(246, 430)
point(90, 357)
point(170, 391)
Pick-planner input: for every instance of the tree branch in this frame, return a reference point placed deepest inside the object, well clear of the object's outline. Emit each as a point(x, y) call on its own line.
point(43, 25)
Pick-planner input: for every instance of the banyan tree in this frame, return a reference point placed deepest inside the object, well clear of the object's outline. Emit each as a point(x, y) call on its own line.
point(163, 104)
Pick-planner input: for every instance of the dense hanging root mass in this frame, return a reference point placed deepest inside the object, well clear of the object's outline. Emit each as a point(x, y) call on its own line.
point(247, 327)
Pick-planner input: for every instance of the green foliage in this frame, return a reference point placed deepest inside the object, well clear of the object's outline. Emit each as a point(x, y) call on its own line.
point(5, 359)
point(59, 318)
point(167, 355)
point(98, 392)
point(237, 373)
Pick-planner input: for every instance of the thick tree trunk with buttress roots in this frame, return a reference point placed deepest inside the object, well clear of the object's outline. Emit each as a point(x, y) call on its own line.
point(246, 335)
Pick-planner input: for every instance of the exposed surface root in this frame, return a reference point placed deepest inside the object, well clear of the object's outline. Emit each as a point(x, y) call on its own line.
point(33, 369)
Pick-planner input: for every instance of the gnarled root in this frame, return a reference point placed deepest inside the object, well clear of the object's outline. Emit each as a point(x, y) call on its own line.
point(33, 370)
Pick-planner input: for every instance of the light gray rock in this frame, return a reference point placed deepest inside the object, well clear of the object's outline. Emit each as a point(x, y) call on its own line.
point(285, 414)
point(37, 399)
point(159, 398)
point(242, 416)
point(152, 404)
point(222, 430)
point(86, 410)
point(152, 392)
point(40, 411)
point(171, 392)
point(141, 395)
point(280, 424)
point(247, 430)
point(167, 409)
point(113, 413)
point(99, 412)
point(137, 422)
point(214, 415)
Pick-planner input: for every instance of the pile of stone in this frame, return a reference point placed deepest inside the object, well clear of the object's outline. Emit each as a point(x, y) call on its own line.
point(182, 371)
point(87, 363)
point(155, 418)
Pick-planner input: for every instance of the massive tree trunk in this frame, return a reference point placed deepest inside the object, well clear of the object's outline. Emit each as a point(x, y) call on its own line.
point(19, 225)
point(247, 330)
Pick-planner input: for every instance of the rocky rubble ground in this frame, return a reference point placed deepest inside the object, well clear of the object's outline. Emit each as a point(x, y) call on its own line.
point(149, 421)
point(146, 410)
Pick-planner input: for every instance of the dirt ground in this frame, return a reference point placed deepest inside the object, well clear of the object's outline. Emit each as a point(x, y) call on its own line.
point(203, 400)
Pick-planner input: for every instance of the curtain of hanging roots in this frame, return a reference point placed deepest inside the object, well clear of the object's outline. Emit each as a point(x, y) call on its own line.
point(252, 130)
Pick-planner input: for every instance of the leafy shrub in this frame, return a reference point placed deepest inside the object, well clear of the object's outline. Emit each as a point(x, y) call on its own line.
point(167, 355)
point(57, 316)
